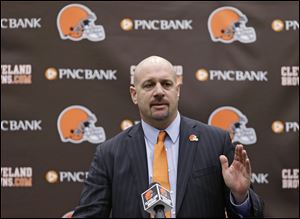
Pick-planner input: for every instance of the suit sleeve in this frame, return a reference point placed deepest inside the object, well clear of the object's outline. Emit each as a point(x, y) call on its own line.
point(95, 199)
point(256, 203)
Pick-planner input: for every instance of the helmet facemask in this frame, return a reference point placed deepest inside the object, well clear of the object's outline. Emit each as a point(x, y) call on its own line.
point(242, 33)
point(93, 134)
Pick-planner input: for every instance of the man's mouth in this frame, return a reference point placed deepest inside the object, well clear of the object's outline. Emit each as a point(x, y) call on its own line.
point(159, 106)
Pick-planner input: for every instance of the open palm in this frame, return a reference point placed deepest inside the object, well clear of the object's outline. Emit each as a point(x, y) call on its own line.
point(237, 175)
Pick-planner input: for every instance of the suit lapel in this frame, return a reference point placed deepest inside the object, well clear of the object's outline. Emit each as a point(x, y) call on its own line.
point(136, 149)
point(187, 151)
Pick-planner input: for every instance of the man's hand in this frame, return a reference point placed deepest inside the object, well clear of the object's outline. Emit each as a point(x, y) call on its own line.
point(237, 176)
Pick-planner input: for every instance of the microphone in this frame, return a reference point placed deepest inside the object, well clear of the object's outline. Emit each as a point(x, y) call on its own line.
point(157, 200)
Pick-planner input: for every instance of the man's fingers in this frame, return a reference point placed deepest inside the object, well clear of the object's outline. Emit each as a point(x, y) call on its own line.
point(224, 162)
point(248, 166)
point(240, 151)
point(240, 154)
point(244, 157)
point(237, 156)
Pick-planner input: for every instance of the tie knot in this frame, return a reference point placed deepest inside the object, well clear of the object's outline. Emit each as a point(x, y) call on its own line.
point(161, 136)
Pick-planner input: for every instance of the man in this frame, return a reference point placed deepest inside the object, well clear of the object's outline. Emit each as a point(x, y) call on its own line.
point(187, 157)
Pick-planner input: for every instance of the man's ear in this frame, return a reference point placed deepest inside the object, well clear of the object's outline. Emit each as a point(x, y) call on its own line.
point(178, 85)
point(178, 90)
point(133, 94)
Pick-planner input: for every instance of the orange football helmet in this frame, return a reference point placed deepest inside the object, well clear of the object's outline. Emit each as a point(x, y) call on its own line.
point(77, 124)
point(227, 24)
point(77, 22)
point(232, 120)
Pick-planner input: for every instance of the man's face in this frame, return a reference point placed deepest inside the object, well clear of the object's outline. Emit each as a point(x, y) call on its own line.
point(156, 93)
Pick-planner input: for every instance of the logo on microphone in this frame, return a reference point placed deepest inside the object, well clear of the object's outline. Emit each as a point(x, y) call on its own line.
point(156, 196)
point(148, 195)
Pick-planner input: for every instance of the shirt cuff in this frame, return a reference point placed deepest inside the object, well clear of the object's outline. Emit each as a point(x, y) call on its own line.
point(242, 209)
point(233, 202)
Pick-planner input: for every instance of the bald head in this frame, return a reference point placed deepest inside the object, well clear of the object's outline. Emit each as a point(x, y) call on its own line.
point(152, 63)
point(156, 91)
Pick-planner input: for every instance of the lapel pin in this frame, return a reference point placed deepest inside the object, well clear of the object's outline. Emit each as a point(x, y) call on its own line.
point(193, 138)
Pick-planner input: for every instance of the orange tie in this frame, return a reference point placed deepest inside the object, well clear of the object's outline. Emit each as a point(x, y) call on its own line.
point(160, 164)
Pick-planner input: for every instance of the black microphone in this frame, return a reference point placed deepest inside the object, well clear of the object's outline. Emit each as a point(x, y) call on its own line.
point(159, 211)
point(157, 200)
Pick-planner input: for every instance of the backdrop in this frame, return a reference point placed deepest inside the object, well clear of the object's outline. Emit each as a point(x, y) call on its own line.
point(66, 68)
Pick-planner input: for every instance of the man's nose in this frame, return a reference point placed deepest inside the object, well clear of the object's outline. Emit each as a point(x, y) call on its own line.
point(158, 91)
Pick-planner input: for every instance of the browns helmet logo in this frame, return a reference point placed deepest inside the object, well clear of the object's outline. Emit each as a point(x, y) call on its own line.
point(233, 121)
point(148, 195)
point(77, 124)
point(76, 22)
point(228, 24)
point(163, 192)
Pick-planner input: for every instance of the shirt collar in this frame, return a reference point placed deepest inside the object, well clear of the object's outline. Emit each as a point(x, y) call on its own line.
point(172, 130)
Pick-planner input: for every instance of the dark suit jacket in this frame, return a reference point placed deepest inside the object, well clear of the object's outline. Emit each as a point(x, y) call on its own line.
point(119, 175)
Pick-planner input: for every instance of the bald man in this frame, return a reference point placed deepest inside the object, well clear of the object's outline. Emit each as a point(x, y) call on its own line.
point(206, 175)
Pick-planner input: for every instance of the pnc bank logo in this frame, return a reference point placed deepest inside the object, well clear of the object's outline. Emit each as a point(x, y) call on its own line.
point(128, 24)
point(54, 73)
point(203, 75)
point(279, 127)
point(55, 177)
point(279, 25)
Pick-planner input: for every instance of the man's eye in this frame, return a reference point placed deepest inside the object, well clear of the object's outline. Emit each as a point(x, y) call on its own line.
point(149, 85)
point(167, 84)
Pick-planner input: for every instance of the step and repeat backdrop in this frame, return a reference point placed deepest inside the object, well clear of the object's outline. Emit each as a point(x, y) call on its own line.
point(66, 68)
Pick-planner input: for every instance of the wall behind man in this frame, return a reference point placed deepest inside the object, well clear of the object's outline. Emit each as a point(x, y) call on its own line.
point(46, 74)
